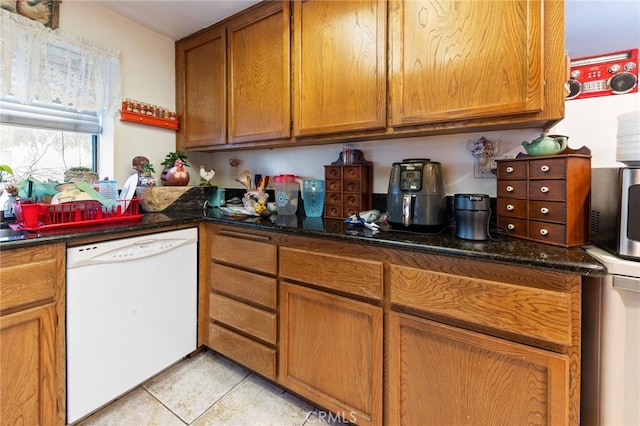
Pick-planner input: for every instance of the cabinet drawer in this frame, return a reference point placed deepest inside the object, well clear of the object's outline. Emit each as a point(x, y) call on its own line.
point(351, 210)
point(250, 251)
point(532, 312)
point(351, 186)
point(354, 173)
point(251, 320)
point(352, 200)
point(333, 211)
point(333, 172)
point(515, 226)
point(512, 188)
point(28, 276)
point(512, 207)
point(333, 198)
point(350, 275)
point(546, 232)
point(512, 170)
point(256, 356)
point(333, 185)
point(547, 190)
point(553, 211)
point(548, 168)
point(244, 285)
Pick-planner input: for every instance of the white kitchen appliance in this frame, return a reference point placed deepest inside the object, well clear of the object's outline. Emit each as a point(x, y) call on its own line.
point(611, 343)
point(131, 312)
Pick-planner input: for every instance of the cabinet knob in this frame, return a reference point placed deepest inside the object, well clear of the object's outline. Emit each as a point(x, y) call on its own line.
point(511, 227)
point(510, 207)
point(544, 189)
point(509, 169)
point(509, 188)
point(545, 168)
point(544, 232)
point(544, 210)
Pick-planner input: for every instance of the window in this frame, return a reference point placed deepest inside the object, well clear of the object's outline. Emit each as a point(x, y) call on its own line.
point(54, 89)
point(45, 154)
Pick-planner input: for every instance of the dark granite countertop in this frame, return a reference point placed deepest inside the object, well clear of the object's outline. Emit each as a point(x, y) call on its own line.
point(150, 221)
point(505, 250)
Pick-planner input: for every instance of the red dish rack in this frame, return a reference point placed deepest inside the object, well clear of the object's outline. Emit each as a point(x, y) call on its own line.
point(39, 216)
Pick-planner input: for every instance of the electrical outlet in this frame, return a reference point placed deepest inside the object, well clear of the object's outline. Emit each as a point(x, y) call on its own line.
point(483, 170)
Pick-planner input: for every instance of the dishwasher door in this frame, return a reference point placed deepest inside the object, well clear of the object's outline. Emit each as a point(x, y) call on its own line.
point(131, 312)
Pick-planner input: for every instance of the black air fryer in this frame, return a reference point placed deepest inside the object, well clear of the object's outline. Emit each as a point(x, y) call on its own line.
point(416, 198)
point(472, 212)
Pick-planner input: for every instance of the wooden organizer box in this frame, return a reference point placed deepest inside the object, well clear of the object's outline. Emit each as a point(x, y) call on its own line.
point(348, 187)
point(547, 198)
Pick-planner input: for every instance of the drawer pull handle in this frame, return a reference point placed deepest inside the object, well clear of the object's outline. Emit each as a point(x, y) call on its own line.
point(509, 169)
point(510, 207)
point(544, 232)
point(544, 189)
point(545, 168)
point(511, 227)
point(544, 210)
point(509, 188)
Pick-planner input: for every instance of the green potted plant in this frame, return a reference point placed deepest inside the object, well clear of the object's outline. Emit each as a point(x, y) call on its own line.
point(169, 163)
point(80, 174)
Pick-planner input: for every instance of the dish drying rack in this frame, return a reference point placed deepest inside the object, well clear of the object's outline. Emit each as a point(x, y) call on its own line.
point(39, 216)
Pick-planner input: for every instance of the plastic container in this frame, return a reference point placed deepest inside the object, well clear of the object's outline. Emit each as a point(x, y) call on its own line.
point(313, 196)
point(108, 189)
point(286, 192)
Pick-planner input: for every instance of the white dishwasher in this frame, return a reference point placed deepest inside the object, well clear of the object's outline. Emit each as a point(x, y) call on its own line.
point(131, 312)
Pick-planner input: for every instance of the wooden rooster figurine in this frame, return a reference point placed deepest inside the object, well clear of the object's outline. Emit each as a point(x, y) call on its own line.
point(206, 177)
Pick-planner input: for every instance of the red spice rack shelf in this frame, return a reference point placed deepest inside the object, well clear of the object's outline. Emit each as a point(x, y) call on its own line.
point(149, 120)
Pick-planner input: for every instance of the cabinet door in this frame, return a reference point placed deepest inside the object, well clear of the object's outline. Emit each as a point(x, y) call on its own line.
point(339, 58)
point(27, 367)
point(260, 74)
point(201, 89)
point(459, 60)
point(331, 352)
point(444, 375)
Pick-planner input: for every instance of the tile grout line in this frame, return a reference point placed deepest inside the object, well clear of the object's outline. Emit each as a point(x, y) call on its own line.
point(222, 397)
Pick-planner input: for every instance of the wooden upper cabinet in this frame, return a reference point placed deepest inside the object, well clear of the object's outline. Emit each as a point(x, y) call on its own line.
point(339, 60)
point(455, 60)
point(260, 74)
point(201, 89)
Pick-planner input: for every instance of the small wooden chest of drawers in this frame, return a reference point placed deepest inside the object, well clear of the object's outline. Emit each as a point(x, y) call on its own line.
point(347, 190)
point(546, 199)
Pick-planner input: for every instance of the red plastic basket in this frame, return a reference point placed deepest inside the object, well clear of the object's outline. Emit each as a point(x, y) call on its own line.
point(40, 216)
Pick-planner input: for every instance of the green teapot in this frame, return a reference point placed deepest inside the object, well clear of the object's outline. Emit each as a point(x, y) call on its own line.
point(546, 145)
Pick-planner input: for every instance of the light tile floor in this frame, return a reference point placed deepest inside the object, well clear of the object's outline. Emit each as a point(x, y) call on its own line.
point(208, 389)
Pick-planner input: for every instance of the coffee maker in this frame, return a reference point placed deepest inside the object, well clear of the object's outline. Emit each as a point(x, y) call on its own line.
point(416, 198)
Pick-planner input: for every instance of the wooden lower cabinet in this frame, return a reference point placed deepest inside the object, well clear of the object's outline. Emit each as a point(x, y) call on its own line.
point(331, 352)
point(443, 375)
point(242, 301)
point(32, 378)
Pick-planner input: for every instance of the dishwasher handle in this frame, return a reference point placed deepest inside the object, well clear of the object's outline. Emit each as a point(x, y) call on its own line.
point(626, 283)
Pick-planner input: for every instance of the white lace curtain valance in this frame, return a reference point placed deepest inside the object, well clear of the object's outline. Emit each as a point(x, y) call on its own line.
point(53, 67)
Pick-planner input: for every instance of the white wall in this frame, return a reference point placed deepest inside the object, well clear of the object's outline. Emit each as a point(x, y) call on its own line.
point(593, 122)
point(148, 75)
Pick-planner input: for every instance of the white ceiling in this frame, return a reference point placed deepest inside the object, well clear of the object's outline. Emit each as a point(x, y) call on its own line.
point(592, 26)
